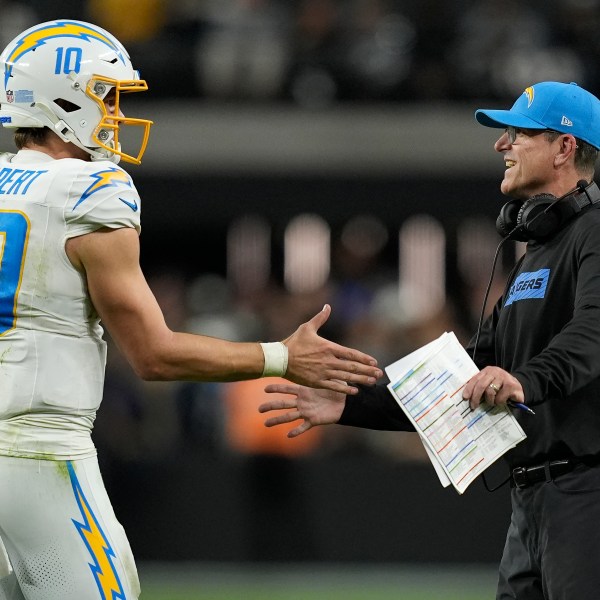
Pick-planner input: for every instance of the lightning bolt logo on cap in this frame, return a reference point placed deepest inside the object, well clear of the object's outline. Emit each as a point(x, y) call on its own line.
point(102, 553)
point(37, 37)
point(105, 178)
point(530, 95)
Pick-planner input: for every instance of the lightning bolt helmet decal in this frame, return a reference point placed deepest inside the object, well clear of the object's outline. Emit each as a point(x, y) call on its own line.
point(38, 36)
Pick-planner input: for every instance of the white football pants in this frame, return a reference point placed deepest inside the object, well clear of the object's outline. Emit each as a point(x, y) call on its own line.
point(61, 534)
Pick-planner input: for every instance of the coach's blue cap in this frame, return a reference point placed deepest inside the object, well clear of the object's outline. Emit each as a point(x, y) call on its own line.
point(563, 107)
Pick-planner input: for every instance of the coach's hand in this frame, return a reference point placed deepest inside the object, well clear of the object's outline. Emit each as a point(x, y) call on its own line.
point(494, 386)
point(316, 362)
point(314, 407)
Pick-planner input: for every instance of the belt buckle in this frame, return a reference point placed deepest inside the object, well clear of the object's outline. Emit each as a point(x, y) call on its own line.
point(519, 476)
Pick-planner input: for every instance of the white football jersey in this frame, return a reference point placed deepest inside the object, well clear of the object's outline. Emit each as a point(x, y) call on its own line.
point(52, 355)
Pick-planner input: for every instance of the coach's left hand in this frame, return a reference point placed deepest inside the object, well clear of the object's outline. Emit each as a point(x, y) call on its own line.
point(494, 386)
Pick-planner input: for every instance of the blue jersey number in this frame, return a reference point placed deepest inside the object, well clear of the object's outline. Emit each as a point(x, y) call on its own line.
point(67, 60)
point(14, 234)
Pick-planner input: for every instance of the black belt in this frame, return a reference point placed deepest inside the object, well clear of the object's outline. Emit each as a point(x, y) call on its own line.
point(522, 477)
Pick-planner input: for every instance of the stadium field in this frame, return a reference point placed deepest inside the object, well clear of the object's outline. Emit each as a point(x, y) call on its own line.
point(315, 582)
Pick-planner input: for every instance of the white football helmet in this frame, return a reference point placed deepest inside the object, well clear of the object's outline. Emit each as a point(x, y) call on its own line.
point(57, 75)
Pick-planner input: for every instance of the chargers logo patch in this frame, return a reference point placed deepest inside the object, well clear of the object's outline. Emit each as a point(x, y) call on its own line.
point(112, 177)
point(530, 95)
point(528, 285)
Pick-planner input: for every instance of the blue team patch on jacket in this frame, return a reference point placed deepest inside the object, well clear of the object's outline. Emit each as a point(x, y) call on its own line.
point(528, 285)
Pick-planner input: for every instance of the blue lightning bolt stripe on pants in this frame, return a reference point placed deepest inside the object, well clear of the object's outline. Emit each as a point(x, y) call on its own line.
point(61, 534)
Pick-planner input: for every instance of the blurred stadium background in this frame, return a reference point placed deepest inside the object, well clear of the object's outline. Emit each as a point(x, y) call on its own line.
point(311, 151)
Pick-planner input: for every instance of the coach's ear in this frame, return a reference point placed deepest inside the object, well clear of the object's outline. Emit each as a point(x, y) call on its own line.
point(567, 145)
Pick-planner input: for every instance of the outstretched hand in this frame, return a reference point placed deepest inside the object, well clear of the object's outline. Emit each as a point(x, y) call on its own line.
point(319, 363)
point(315, 407)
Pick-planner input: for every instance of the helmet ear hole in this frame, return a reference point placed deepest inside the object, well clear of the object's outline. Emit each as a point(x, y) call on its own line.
point(66, 105)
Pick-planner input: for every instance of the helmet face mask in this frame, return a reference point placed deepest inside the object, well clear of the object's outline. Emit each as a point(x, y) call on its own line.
point(58, 75)
point(106, 133)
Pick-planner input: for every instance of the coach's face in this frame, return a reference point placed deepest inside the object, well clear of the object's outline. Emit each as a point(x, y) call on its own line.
point(529, 161)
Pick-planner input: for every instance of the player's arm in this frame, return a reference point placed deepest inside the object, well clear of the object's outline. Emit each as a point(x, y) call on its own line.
point(109, 259)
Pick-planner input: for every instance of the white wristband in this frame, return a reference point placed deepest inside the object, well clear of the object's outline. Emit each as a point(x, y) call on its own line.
point(276, 359)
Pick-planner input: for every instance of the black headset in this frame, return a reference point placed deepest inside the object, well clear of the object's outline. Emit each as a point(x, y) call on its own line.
point(543, 215)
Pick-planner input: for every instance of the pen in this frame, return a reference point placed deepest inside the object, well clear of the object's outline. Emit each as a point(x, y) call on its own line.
point(521, 406)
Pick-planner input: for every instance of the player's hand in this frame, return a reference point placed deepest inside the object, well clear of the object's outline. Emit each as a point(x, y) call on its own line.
point(494, 386)
point(315, 407)
point(317, 362)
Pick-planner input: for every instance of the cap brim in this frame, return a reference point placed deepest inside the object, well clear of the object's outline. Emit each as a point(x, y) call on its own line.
point(504, 118)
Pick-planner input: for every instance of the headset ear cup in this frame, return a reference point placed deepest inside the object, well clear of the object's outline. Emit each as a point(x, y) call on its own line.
point(536, 224)
point(507, 219)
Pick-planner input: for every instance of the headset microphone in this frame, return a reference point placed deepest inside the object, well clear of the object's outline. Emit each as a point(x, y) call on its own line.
point(527, 226)
point(541, 216)
point(524, 226)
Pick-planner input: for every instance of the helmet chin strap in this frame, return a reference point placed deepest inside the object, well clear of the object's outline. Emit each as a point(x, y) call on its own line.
point(113, 157)
point(66, 134)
